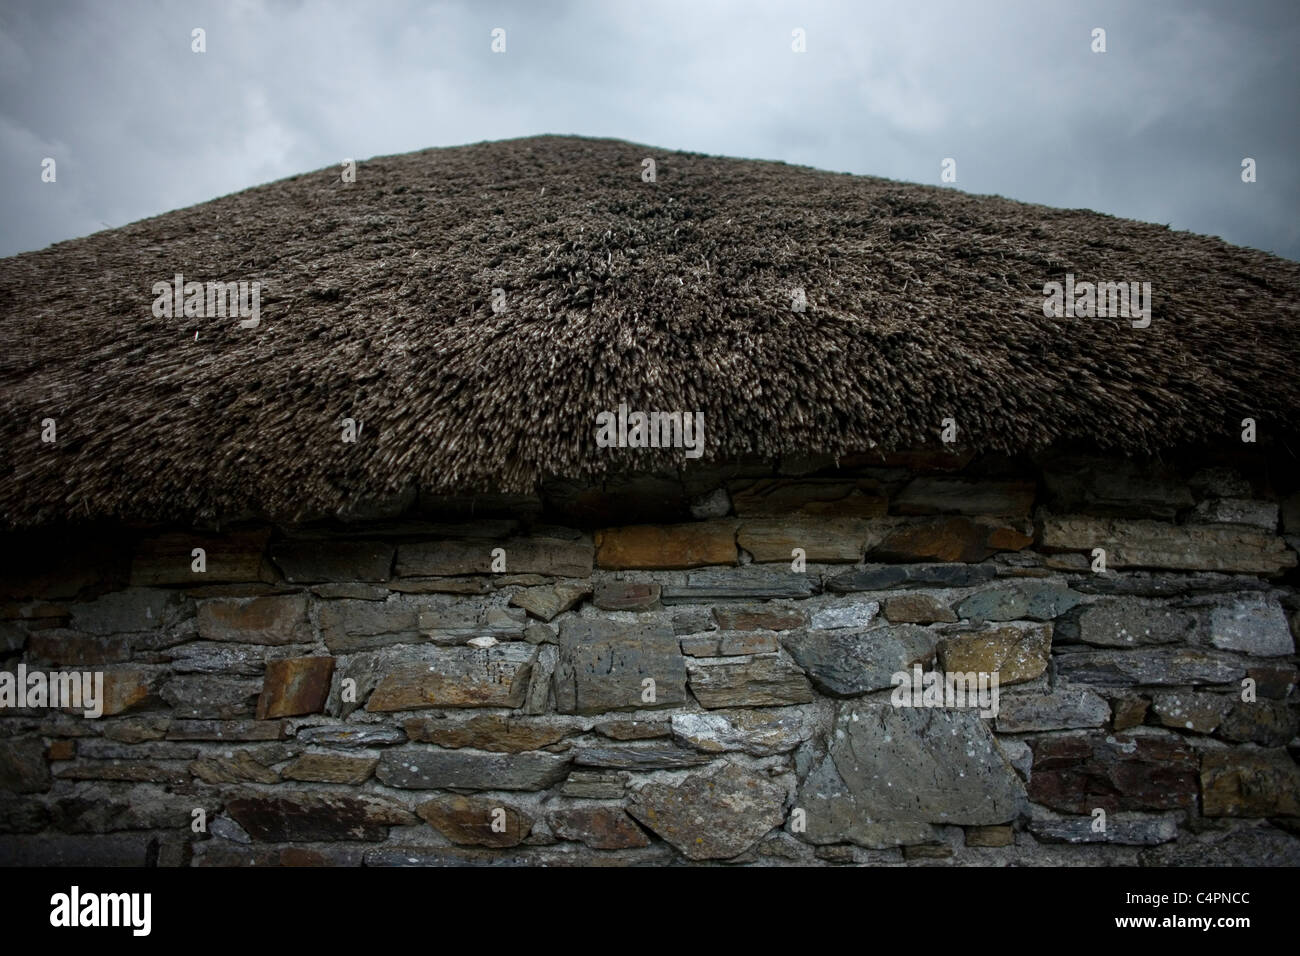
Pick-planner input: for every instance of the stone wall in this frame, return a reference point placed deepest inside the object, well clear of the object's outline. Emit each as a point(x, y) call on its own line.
point(399, 691)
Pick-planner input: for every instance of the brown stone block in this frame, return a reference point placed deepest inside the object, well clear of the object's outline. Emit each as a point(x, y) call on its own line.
point(235, 557)
point(295, 686)
point(663, 547)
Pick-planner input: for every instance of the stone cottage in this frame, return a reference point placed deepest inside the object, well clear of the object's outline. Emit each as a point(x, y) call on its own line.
point(916, 569)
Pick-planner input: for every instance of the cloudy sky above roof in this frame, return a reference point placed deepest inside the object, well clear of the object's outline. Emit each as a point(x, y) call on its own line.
point(1155, 128)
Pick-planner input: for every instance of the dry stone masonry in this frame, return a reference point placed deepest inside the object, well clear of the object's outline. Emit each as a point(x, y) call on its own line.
point(563, 679)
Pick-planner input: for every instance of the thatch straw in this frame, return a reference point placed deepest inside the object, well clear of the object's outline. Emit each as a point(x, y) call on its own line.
point(923, 303)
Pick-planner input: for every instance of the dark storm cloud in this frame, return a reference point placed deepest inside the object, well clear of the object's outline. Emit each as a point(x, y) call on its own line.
point(1153, 129)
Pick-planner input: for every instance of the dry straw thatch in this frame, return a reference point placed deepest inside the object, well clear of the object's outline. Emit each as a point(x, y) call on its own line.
point(923, 303)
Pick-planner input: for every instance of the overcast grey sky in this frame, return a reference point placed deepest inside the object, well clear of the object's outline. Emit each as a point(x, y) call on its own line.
point(1155, 128)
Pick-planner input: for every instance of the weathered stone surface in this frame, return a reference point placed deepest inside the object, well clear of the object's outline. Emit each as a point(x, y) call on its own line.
point(351, 735)
point(487, 732)
point(1244, 783)
point(711, 816)
point(563, 558)
point(925, 575)
point(307, 817)
point(202, 696)
point(1153, 544)
point(1128, 712)
point(1160, 585)
point(702, 645)
point(663, 547)
point(743, 584)
point(163, 773)
point(359, 592)
point(97, 748)
point(759, 617)
point(824, 540)
point(601, 828)
point(331, 768)
point(1274, 680)
point(692, 620)
point(760, 681)
point(1269, 723)
point(637, 757)
point(1024, 600)
point(1133, 829)
point(634, 729)
point(892, 771)
point(1149, 665)
point(927, 851)
point(540, 698)
point(1016, 654)
point(135, 609)
point(432, 769)
point(990, 836)
point(1241, 846)
point(1067, 707)
point(782, 497)
point(215, 853)
point(603, 667)
point(59, 647)
point(535, 632)
point(737, 645)
point(463, 625)
point(260, 620)
point(547, 602)
point(852, 662)
point(54, 849)
point(102, 808)
point(1188, 710)
point(1258, 514)
point(595, 785)
point(960, 496)
point(759, 733)
point(458, 677)
point(476, 821)
point(237, 767)
point(917, 609)
point(295, 686)
point(220, 730)
point(1254, 625)
point(1080, 772)
point(349, 626)
point(62, 749)
point(310, 562)
point(626, 595)
point(949, 539)
point(1125, 622)
point(857, 615)
point(214, 657)
point(234, 557)
point(22, 766)
point(417, 585)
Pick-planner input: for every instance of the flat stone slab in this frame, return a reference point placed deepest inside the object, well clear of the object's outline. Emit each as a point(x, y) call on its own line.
point(434, 769)
point(913, 575)
point(458, 677)
point(854, 662)
point(604, 667)
point(1149, 665)
point(767, 680)
point(711, 816)
point(892, 771)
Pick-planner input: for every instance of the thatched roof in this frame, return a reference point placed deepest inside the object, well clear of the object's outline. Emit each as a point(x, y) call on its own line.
point(923, 303)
